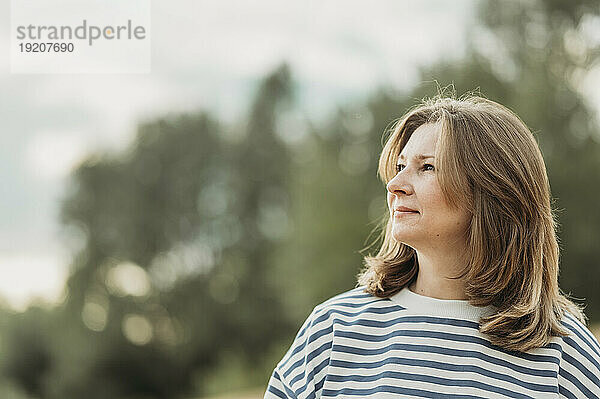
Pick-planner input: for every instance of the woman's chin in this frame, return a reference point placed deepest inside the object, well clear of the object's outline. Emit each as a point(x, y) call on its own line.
point(402, 237)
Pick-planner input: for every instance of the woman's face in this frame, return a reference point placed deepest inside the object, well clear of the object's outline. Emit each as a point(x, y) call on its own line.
point(432, 223)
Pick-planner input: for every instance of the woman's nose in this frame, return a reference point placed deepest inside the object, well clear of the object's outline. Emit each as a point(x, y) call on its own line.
point(399, 185)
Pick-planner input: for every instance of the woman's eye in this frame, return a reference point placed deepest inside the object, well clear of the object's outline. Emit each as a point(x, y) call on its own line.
point(427, 166)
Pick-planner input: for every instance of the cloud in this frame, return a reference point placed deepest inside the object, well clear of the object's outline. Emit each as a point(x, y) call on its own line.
point(26, 277)
point(53, 155)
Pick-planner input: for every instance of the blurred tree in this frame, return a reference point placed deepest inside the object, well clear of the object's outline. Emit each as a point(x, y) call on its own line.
point(28, 359)
point(171, 284)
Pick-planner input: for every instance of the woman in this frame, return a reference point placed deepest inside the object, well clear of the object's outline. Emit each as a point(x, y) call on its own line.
point(462, 299)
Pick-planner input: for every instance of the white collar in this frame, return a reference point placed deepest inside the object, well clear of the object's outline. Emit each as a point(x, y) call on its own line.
point(449, 308)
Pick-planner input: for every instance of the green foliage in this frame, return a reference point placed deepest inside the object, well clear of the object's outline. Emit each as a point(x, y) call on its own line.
point(28, 358)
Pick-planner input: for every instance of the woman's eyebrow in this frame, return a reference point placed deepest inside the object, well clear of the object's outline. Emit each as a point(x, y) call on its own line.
point(419, 156)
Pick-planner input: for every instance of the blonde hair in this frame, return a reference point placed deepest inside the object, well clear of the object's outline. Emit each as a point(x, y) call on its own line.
point(488, 161)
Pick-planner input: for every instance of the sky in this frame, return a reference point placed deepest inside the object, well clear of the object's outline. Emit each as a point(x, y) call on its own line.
point(205, 55)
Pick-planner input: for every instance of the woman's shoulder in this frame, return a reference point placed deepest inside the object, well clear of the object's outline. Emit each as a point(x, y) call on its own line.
point(350, 306)
point(579, 338)
point(351, 299)
point(580, 359)
point(319, 325)
point(308, 358)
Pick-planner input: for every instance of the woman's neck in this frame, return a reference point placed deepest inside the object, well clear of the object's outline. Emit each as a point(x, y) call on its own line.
point(433, 277)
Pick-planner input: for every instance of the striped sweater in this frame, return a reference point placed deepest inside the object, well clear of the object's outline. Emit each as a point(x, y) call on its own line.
point(355, 345)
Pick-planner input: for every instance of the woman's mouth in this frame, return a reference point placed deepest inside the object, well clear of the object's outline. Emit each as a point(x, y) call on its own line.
point(403, 213)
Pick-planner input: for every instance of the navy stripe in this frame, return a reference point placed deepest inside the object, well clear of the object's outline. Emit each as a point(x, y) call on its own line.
point(584, 370)
point(353, 293)
point(565, 392)
point(308, 324)
point(311, 338)
point(570, 377)
point(409, 319)
point(581, 327)
point(319, 385)
point(288, 391)
point(578, 333)
point(325, 316)
point(276, 392)
point(421, 393)
point(307, 358)
point(446, 367)
point(445, 336)
point(311, 376)
point(443, 351)
point(441, 321)
point(387, 309)
point(314, 371)
point(571, 342)
point(350, 304)
point(363, 295)
point(446, 382)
